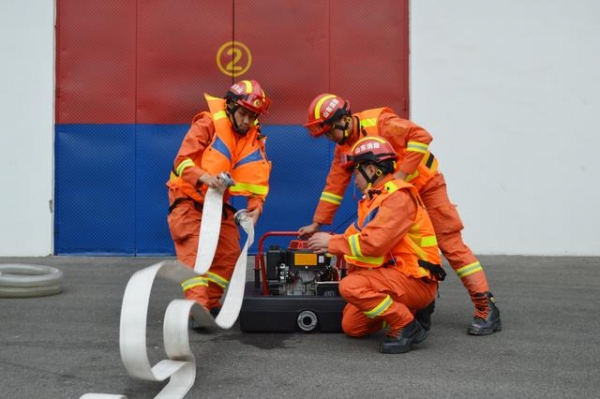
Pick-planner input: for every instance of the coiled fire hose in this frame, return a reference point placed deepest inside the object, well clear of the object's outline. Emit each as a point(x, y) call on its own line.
point(180, 366)
point(21, 281)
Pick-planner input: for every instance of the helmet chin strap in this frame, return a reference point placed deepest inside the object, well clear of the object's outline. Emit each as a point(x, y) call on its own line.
point(345, 136)
point(232, 108)
point(345, 131)
point(370, 180)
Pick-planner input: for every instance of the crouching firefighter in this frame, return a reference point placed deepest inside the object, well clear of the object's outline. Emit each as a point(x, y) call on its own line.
point(391, 249)
point(226, 138)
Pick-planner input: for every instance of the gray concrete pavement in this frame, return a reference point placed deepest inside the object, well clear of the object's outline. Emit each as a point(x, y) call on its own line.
point(66, 345)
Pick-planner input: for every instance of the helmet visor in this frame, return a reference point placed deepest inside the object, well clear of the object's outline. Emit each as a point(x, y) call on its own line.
point(256, 104)
point(348, 161)
point(317, 128)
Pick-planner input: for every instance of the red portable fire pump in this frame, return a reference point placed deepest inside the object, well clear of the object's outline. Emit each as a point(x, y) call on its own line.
point(294, 290)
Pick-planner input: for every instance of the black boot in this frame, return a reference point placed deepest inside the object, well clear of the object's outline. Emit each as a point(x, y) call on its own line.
point(192, 325)
point(423, 316)
point(413, 333)
point(487, 315)
point(198, 328)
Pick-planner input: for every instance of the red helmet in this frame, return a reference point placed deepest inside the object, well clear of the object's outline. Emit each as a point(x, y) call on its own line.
point(249, 94)
point(369, 150)
point(323, 111)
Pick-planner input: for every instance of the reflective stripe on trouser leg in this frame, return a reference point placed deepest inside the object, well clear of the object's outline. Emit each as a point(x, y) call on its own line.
point(206, 290)
point(356, 324)
point(380, 309)
point(395, 314)
point(367, 291)
point(196, 289)
point(226, 255)
point(464, 262)
point(448, 226)
point(216, 286)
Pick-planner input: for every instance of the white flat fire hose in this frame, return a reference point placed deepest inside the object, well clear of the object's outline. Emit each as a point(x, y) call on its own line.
point(180, 366)
point(209, 232)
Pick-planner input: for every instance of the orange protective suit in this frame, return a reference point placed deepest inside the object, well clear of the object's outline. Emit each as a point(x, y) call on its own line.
point(411, 142)
point(212, 146)
point(387, 249)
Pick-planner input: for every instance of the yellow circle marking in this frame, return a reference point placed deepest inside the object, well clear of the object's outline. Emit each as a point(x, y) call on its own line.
point(236, 50)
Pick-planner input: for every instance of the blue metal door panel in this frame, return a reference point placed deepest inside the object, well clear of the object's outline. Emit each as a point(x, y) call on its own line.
point(95, 189)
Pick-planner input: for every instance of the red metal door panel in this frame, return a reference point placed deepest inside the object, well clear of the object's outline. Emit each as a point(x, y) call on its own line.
point(289, 44)
point(95, 76)
point(177, 46)
point(369, 53)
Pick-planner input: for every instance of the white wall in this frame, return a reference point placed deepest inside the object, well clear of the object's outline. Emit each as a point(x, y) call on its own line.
point(26, 126)
point(510, 91)
point(507, 88)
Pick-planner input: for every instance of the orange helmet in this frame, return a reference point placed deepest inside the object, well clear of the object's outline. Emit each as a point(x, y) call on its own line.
point(249, 94)
point(369, 150)
point(323, 111)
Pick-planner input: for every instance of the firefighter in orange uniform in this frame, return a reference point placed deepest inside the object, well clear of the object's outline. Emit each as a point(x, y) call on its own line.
point(226, 138)
point(391, 250)
point(330, 115)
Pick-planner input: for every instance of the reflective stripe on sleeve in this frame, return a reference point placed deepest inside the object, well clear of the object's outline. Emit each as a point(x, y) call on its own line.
point(416, 146)
point(369, 122)
point(469, 269)
point(354, 244)
point(186, 163)
point(357, 257)
point(331, 198)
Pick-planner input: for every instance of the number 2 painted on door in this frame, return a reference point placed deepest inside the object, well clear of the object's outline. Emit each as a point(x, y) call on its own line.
point(234, 58)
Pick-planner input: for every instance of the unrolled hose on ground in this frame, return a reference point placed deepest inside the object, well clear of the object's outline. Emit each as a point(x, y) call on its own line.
point(21, 281)
point(180, 366)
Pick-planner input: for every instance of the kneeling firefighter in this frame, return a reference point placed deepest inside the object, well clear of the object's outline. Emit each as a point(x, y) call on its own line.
point(391, 249)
